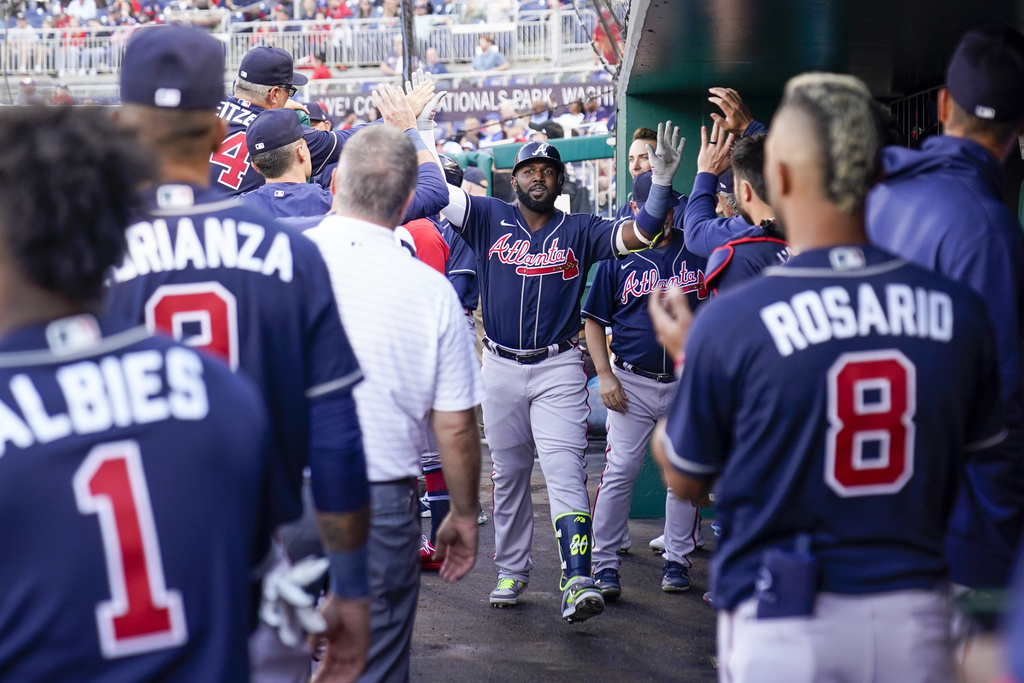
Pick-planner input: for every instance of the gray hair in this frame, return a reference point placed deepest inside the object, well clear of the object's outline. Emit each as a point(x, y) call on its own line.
point(258, 90)
point(849, 130)
point(376, 174)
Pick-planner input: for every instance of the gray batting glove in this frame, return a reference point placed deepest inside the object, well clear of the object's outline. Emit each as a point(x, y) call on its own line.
point(287, 606)
point(425, 121)
point(666, 158)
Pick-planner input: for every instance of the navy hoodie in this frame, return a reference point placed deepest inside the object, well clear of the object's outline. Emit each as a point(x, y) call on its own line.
point(942, 208)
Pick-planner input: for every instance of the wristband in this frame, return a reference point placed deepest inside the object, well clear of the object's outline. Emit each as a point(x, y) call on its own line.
point(620, 244)
point(661, 180)
point(417, 141)
point(640, 236)
point(348, 574)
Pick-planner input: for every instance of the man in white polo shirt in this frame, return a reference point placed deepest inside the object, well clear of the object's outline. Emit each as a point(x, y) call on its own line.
point(408, 330)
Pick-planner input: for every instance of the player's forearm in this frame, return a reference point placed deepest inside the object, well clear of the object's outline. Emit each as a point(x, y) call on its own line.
point(458, 442)
point(344, 538)
point(684, 487)
point(431, 193)
point(649, 222)
point(457, 208)
point(345, 531)
point(597, 345)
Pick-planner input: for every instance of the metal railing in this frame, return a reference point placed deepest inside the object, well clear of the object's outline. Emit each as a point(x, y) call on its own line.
point(556, 37)
point(915, 117)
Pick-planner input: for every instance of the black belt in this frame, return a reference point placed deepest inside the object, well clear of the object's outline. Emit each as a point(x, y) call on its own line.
point(663, 377)
point(528, 357)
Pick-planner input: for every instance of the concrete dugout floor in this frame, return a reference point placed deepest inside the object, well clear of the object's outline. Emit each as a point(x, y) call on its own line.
point(645, 635)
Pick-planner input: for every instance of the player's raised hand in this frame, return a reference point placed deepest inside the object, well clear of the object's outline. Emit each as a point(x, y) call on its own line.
point(714, 151)
point(394, 107)
point(425, 121)
point(666, 158)
point(612, 394)
point(671, 317)
point(421, 93)
point(346, 640)
point(456, 545)
point(737, 113)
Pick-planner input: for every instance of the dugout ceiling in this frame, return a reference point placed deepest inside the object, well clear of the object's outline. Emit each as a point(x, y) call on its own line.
point(677, 49)
point(897, 46)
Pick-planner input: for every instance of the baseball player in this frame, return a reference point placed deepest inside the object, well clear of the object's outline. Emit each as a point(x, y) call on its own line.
point(278, 151)
point(133, 468)
point(637, 391)
point(942, 207)
point(267, 80)
point(531, 262)
point(761, 242)
point(637, 160)
point(461, 265)
point(809, 396)
point(224, 278)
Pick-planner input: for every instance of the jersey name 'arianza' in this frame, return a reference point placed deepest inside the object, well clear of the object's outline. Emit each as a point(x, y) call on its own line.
point(224, 243)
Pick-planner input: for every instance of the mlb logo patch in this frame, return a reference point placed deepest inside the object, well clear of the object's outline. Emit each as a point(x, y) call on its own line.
point(174, 196)
point(279, 193)
point(846, 258)
point(260, 145)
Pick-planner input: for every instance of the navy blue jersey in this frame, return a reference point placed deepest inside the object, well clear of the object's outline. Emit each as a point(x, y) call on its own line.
point(461, 267)
point(282, 200)
point(837, 396)
point(704, 230)
point(223, 277)
point(430, 196)
point(941, 207)
point(618, 298)
point(531, 282)
point(132, 492)
point(230, 170)
point(744, 258)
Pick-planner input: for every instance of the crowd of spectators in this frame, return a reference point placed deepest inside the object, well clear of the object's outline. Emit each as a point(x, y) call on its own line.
point(385, 13)
point(83, 37)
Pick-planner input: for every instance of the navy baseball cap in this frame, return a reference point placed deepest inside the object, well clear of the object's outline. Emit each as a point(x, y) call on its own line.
point(475, 175)
point(316, 112)
point(725, 182)
point(642, 188)
point(173, 67)
point(270, 66)
point(986, 74)
point(273, 128)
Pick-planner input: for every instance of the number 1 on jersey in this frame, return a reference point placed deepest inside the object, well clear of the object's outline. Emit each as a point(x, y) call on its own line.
point(872, 400)
point(142, 615)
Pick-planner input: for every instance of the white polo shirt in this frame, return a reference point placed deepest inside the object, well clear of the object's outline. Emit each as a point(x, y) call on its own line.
point(408, 330)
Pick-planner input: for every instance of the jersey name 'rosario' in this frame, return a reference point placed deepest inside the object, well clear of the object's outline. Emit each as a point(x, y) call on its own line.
point(223, 277)
point(132, 484)
point(531, 283)
point(230, 171)
point(618, 298)
point(837, 396)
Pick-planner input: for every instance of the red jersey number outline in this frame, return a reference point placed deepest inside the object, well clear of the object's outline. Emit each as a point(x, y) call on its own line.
point(142, 615)
point(208, 304)
point(853, 422)
point(230, 156)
